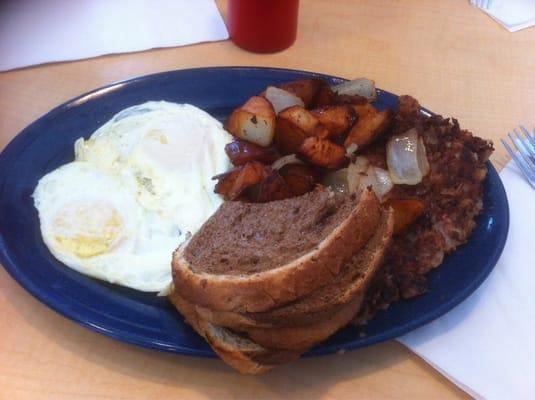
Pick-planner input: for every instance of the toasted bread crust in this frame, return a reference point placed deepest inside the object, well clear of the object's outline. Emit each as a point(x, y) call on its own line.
point(269, 289)
point(371, 256)
point(302, 338)
point(266, 343)
point(248, 359)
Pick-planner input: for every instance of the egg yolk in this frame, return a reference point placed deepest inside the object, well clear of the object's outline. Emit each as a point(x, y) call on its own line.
point(88, 230)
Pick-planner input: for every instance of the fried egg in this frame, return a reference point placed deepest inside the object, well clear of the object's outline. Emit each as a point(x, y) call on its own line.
point(137, 186)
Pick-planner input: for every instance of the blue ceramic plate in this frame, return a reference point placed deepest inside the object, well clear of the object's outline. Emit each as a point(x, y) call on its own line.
point(144, 319)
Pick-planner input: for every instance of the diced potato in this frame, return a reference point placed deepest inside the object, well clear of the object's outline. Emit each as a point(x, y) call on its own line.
point(338, 119)
point(288, 136)
point(321, 131)
point(306, 89)
point(293, 126)
point(324, 97)
point(370, 125)
point(349, 99)
point(299, 184)
point(272, 187)
point(322, 152)
point(406, 211)
point(241, 152)
point(301, 117)
point(231, 184)
point(314, 92)
point(299, 177)
point(254, 121)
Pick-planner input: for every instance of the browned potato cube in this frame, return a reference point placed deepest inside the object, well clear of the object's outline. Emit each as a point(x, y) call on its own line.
point(231, 184)
point(294, 125)
point(322, 152)
point(325, 96)
point(288, 136)
point(241, 152)
point(364, 109)
point(306, 89)
point(299, 177)
point(349, 99)
point(406, 211)
point(370, 125)
point(272, 187)
point(254, 121)
point(338, 119)
point(301, 117)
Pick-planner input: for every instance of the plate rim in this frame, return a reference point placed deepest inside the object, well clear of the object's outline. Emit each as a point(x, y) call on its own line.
point(27, 284)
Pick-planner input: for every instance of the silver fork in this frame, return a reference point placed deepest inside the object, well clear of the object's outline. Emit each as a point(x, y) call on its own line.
point(524, 157)
point(483, 4)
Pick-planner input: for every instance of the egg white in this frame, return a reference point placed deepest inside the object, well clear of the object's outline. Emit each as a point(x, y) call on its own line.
point(136, 187)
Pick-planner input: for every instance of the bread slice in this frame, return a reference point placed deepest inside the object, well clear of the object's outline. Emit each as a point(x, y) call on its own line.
point(264, 346)
point(239, 352)
point(322, 304)
point(302, 338)
point(256, 257)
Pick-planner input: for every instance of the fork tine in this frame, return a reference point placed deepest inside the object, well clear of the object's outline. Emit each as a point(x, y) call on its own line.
point(524, 168)
point(522, 150)
point(528, 150)
point(530, 138)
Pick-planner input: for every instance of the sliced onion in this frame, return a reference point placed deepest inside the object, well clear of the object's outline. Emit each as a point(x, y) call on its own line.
point(337, 181)
point(406, 158)
point(289, 159)
point(355, 172)
point(281, 99)
point(383, 182)
point(362, 175)
point(423, 163)
point(351, 149)
point(362, 87)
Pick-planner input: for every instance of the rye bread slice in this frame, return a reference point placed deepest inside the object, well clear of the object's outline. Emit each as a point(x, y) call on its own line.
point(302, 338)
point(321, 304)
point(266, 347)
point(255, 257)
point(237, 351)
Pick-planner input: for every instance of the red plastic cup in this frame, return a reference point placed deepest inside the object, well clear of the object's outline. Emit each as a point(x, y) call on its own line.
point(263, 26)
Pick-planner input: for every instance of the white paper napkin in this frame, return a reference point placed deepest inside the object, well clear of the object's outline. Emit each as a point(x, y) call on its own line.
point(511, 14)
point(486, 345)
point(35, 31)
